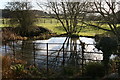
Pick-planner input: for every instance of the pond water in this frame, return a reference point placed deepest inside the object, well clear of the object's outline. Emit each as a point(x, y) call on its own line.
point(90, 45)
point(36, 51)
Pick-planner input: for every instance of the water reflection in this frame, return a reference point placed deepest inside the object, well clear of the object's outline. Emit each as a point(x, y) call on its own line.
point(26, 51)
point(55, 46)
point(36, 51)
point(19, 49)
point(75, 54)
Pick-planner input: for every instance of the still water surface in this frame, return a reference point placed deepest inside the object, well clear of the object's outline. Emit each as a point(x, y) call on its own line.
point(72, 50)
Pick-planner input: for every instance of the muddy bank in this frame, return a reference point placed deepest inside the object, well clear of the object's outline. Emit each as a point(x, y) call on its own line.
point(10, 33)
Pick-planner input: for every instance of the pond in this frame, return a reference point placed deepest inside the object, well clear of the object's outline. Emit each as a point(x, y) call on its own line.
point(58, 49)
point(90, 45)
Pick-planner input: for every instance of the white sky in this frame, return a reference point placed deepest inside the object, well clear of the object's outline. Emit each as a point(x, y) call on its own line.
point(34, 4)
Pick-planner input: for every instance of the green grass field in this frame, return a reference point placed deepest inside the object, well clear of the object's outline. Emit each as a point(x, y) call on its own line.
point(56, 27)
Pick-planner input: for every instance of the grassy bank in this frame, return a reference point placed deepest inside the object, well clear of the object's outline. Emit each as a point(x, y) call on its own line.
point(56, 27)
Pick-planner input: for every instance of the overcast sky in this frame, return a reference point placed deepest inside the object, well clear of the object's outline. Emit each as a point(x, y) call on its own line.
point(34, 4)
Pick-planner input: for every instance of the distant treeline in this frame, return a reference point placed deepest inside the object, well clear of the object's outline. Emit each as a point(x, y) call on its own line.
point(6, 13)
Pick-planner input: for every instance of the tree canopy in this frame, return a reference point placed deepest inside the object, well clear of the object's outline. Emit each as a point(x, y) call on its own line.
point(21, 16)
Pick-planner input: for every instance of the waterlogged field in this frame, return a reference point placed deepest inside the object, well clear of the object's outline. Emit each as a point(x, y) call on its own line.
point(55, 26)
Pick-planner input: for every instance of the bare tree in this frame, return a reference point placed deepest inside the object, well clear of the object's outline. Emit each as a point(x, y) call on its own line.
point(21, 16)
point(108, 11)
point(68, 14)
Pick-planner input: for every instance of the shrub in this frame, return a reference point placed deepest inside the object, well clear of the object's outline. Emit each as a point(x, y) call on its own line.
point(15, 68)
point(6, 63)
point(10, 65)
point(94, 69)
point(69, 72)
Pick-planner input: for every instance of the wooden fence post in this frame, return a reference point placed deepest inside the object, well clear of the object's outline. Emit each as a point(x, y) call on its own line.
point(44, 20)
point(51, 21)
point(57, 21)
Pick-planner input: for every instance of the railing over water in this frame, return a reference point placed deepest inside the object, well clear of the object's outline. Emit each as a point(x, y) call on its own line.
point(59, 57)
